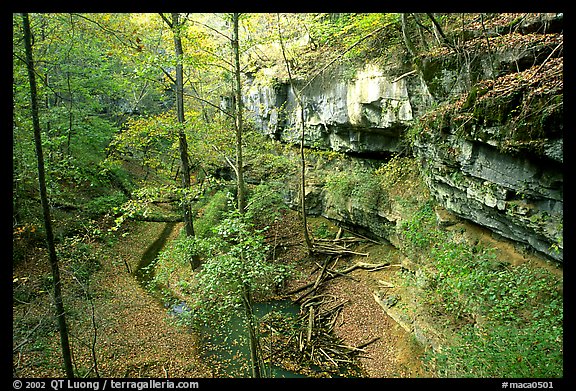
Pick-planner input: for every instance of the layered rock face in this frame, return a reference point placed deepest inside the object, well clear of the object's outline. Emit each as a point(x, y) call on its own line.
point(488, 131)
point(365, 115)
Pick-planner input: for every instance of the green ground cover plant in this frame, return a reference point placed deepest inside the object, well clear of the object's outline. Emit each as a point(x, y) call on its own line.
point(508, 320)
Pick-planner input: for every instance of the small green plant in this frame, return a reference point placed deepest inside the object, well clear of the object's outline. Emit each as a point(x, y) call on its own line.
point(395, 170)
point(520, 312)
point(170, 269)
point(105, 204)
point(79, 256)
point(420, 231)
point(533, 351)
point(211, 213)
point(322, 231)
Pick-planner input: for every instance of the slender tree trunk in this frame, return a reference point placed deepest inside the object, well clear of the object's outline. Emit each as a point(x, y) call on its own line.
point(60, 314)
point(406, 36)
point(307, 238)
point(70, 114)
point(182, 143)
point(253, 336)
point(238, 123)
point(440, 36)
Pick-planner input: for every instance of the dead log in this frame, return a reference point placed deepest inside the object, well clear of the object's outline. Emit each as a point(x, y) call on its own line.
point(328, 357)
point(334, 249)
point(321, 273)
point(310, 324)
point(336, 273)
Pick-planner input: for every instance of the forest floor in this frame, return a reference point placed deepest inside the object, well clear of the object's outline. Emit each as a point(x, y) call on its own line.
point(136, 337)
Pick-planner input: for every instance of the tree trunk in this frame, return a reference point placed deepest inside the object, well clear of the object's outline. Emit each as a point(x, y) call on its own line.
point(253, 336)
point(307, 238)
point(238, 120)
point(182, 143)
point(440, 36)
point(60, 313)
point(406, 36)
point(252, 333)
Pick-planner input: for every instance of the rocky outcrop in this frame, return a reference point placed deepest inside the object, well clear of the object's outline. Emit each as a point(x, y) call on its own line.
point(487, 130)
point(515, 196)
point(365, 115)
point(495, 156)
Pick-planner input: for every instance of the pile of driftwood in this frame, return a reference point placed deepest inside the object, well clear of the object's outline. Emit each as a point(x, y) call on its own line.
point(318, 315)
point(339, 246)
point(312, 340)
point(316, 341)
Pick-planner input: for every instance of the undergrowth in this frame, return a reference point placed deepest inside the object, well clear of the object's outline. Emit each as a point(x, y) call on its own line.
point(508, 320)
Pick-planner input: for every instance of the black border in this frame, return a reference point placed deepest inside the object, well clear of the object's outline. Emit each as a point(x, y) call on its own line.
point(372, 6)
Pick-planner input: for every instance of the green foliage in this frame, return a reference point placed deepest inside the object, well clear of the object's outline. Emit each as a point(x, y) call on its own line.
point(518, 309)
point(419, 232)
point(395, 171)
point(362, 186)
point(266, 159)
point(179, 251)
point(210, 214)
point(105, 204)
point(322, 231)
point(168, 275)
point(533, 351)
point(80, 257)
point(149, 139)
point(265, 204)
point(236, 259)
point(347, 28)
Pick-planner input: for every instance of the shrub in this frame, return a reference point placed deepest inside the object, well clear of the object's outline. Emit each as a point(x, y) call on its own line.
point(237, 263)
point(361, 186)
point(514, 313)
point(104, 204)
point(265, 204)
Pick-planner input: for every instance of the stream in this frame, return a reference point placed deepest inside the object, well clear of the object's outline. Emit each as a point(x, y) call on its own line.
point(230, 351)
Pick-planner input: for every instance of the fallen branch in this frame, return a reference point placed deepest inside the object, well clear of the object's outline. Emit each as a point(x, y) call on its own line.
point(321, 273)
point(403, 76)
point(327, 356)
point(546, 60)
point(334, 250)
point(351, 348)
point(342, 240)
point(337, 273)
point(310, 324)
point(362, 346)
point(366, 266)
point(386, 284)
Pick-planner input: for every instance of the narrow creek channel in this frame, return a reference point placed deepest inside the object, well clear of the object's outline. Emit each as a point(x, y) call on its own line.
point(230, 351)
point(143, 275)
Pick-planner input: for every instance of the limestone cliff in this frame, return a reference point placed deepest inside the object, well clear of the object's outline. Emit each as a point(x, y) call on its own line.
point(485, 121)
